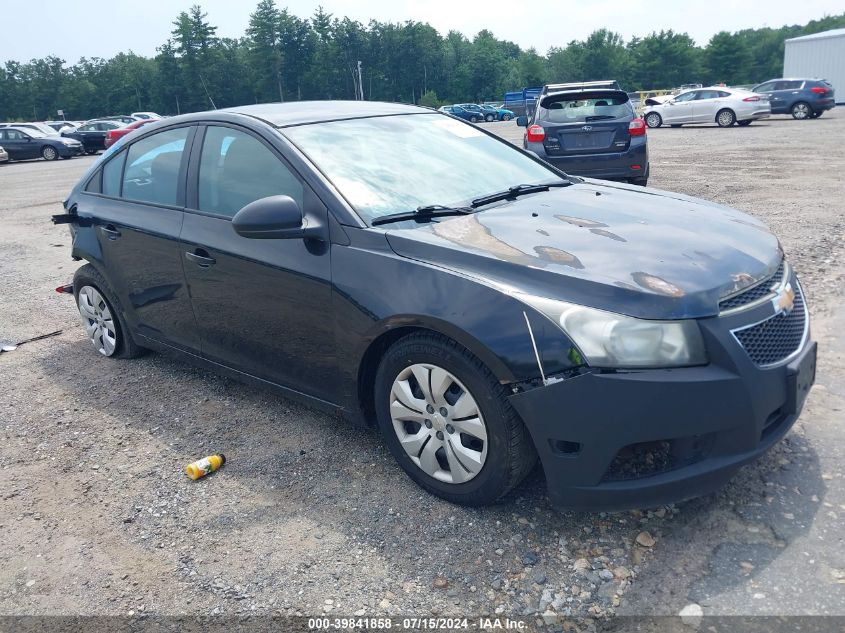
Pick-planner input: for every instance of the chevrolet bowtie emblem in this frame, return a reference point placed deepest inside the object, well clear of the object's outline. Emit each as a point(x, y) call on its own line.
point(785, 300)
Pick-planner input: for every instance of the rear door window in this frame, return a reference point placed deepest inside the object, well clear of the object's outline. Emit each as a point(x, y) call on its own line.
point(153, 165)
point(112, 173)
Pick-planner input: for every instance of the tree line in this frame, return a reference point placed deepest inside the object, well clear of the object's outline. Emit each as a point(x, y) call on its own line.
point(282, 57)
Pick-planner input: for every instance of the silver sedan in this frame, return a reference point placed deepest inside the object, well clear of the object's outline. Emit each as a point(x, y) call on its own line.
point(720, 105)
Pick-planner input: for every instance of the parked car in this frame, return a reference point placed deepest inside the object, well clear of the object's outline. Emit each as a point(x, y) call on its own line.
point(121, 118)
point(403, 268)
point(802, 98)
point(93, 134)
point(493, 113)
point(474, 107)
point(462, 113)
point(58, 126)
point(112, 136)
point(723, 106)
point(25, 143)
point(592, 132)
point(146, 115)
point(39, 127)
point(4, 156)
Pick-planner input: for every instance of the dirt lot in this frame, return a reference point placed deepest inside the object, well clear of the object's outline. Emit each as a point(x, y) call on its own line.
point(310, 516)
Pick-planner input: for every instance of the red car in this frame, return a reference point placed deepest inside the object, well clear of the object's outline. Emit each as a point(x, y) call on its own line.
point(113, 135)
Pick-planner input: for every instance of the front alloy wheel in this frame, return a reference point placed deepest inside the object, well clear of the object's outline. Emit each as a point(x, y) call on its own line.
point(49, 153)
point(438, 423)
point(97, 320)
point(653, 120)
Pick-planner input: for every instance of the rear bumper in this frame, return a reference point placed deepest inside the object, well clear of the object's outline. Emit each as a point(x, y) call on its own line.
point(699, 424)
point(632, 163)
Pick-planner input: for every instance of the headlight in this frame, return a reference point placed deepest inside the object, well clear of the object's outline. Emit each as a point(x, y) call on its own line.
point(607, 339)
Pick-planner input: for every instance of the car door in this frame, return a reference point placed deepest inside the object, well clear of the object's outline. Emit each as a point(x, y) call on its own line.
point(263, 306)
point(138, 212)
point(679, 109)
point(705, 105)
point(784, 94)
point(85, 135)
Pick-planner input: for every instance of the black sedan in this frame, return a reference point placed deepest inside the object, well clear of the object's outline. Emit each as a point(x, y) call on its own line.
point(366, 258)
point(23, 144)
point(93, 134)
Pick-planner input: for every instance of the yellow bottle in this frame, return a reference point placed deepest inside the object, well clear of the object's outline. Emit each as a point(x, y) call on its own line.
point(205, 466)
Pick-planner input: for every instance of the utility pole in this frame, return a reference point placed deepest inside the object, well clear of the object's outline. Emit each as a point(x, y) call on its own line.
point(360, 83)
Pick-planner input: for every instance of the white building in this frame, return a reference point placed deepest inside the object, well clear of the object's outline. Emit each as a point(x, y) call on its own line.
point(818, 56)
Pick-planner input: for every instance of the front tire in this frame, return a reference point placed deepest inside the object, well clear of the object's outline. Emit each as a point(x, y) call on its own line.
point(473, 119)
point(801, 111)
point(101, 315)
point(489, 118)
point(653, 120)
point(725, 118)
point(447, 421)
point(48, 152)
point(506, 117)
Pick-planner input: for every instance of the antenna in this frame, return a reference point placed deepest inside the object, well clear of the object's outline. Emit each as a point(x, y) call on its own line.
point(206, 92)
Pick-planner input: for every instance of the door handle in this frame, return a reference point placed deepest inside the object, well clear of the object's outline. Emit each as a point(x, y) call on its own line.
point(110, 231)
point(201, 258)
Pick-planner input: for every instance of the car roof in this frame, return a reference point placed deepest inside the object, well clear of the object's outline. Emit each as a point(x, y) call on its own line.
point(303, 112)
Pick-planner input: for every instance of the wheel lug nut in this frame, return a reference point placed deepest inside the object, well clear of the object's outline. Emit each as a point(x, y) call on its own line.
point(429, 408)
point(444, 412)
point(439, 435)
point(450, 429)
point(428, 424)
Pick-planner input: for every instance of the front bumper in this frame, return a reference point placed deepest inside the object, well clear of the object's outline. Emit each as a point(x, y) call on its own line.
point(634, 439)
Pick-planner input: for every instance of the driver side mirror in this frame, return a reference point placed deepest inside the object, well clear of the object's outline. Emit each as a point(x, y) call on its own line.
point(522, 121)
point(272, 218)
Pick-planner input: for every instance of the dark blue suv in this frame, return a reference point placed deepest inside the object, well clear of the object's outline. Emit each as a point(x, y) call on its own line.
point(802, 98)
point(593, 132)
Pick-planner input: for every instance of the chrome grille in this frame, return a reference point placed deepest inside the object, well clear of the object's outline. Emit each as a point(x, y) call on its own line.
point(761, 290)
point(777, 338)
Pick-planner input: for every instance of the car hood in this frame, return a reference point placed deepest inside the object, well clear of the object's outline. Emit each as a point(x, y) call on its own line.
point(642, 252)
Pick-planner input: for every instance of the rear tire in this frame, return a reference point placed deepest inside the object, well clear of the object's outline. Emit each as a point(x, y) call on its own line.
point(801, 111)
point(816, 115)
point(653, 120)
point(744, 123)
point(123, 346)
point(489, 118)
point(48, 152)
point(497, 463)
point(725, 118)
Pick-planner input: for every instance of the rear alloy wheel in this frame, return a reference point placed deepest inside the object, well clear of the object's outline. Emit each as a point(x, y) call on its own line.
point(448, 423)
point(98, 320)
point(48, 152)
point(725, 118)
point(745, 123)
point(101, 315)
point(801, 111)
point(652, 119)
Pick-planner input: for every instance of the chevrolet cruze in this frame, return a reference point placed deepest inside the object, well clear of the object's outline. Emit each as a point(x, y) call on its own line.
point(406, 269)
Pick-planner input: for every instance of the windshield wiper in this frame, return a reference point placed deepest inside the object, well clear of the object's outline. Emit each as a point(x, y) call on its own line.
point(516, 190)
point(422, 214)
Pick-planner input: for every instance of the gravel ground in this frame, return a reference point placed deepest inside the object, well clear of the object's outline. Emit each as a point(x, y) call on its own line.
point(311, 516)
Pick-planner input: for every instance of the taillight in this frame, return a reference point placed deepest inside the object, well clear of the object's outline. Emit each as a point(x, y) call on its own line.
point(818, 90)
point(636, 127)
point(536, 134)
point(754, 98)
point(112, 134)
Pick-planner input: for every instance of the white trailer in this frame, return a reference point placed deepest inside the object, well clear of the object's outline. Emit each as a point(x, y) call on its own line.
point(818, 56)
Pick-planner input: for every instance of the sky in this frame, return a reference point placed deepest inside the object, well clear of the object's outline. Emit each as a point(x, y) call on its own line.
point(102, 28)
